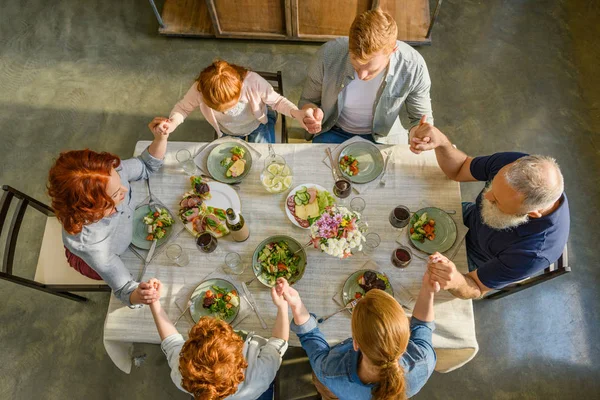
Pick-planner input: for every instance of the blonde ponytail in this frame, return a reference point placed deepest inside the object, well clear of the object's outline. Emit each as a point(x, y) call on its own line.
point(381, 330)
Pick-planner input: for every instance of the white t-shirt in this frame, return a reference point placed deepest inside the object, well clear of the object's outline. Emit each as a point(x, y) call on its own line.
point(359, 100)
point(238, 121)
point(263, 357)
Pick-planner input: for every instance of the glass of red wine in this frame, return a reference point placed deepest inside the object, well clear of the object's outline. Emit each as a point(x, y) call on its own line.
point(342, 189)
point(207, 242)
point(399, 218)
point(401, 257)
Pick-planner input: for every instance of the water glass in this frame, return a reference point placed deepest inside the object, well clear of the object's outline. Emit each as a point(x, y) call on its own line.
point(372, 242)
point(358, 204)
point(184, 157)
point(176, 254)
point(234, 264)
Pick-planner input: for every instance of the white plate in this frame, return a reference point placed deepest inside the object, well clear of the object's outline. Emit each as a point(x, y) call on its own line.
point(222, 196)
point(293, 192)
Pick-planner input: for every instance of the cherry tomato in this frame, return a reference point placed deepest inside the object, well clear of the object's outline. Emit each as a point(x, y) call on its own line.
point(156, 214)
point(209, 293)
point(150, 237)
point(357, 295)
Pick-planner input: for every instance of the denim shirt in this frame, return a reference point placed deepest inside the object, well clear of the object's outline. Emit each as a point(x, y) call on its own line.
point(337, 367)
point(406, 82)
point(101, 243)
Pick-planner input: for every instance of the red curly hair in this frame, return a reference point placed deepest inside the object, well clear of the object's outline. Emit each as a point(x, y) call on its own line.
point(77, 185)
point(211, 361)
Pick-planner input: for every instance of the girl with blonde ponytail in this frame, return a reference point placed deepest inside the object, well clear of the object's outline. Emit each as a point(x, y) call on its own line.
point(234, 101)
point(388, 356)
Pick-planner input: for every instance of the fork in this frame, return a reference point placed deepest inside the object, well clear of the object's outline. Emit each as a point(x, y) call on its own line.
point(348, 306)
point(382, 181)
point(189, 304)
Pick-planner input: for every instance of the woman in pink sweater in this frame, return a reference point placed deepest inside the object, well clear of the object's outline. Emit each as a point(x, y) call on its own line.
point(234, 101)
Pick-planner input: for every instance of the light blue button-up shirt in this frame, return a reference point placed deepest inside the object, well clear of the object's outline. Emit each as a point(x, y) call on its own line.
point(101, 243)
point(406, 82)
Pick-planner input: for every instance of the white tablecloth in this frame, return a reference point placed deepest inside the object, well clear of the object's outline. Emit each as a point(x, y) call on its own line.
point(411, 180)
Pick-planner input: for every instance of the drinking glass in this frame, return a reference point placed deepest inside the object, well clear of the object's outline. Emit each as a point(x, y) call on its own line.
point(399, 218)
point(372, 241)
point(176, 254)
point(342, 189)
point(401, 257)
point(358, 204)
point(184, 157)
point(234, 264)
point(207, 242)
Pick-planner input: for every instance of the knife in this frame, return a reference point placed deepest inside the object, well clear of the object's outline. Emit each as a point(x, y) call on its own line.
point(250, 299)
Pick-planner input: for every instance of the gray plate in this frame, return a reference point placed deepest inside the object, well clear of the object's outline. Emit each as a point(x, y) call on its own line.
point(140, 229)
point(217, 171)
point(351, 285)
point(198, 311)
point(370, 161)
point(445, 231)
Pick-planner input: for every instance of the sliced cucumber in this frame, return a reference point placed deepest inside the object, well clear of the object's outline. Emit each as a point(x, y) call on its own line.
point(298, 200)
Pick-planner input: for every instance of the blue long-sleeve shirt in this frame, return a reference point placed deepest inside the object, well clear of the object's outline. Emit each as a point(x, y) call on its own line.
point(337, 367)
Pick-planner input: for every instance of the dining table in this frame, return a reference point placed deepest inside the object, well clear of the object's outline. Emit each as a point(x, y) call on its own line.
point(412, 180)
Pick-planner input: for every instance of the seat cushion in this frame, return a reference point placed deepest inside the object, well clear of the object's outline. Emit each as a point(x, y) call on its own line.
point(52, 267)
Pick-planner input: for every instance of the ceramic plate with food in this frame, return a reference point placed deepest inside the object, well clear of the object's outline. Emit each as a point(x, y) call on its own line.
point(207, 198)
point(274, 258)
point(229, 162)
point(217, 298)
point(360, 282)
point(361, 162)
point(431, 229)
point(306, 202)
point(151, 222)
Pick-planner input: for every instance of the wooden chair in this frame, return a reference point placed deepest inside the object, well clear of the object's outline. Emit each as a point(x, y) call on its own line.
point(560, 267)
point(53, 274)
point(276, 80)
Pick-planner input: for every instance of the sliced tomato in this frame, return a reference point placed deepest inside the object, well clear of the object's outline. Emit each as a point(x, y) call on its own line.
point(227, 298)
point(156, 214)
point(209, 293)
point(228, 305)
point(159, 223)
point(235, 157)
point(234, 292)
point(150, 237)
point(282, 267)
point(345, 158)
point(219, 295)
point(357, 295)
point(412, 230)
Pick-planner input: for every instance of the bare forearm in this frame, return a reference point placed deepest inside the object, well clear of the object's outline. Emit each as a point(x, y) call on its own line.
point(281, 329)
point(424, 307)
point(450, 159)
point(163, 324)
point(300, 314)
point(467, 289)
point(158, 148)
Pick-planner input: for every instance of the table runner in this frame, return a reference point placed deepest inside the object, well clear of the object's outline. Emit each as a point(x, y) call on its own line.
point(414, 178)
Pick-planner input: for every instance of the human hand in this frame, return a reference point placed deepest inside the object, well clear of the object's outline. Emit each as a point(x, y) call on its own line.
point(278, 298)
point(299, 116)
point(429, 284)
point(425, 137)
point(145, 293)
point(312, 119)
point(443, 271)
point(290, 294)
point(161, 127)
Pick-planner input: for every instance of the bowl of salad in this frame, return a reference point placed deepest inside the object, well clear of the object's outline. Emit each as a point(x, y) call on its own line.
point(274, 258)
point(215, 298)
point(152, 223)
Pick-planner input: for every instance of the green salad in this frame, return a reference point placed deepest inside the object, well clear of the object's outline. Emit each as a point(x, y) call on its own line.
point(278, 261)
point(221, 302)
point(157, 222)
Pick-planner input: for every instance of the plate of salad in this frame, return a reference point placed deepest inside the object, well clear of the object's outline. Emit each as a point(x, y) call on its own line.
point(431, 229)
point(360, 282)
point(274, 258)
point(229, 162)
point(361, 162)
point(152, 222)
point(306, 202)
point(217, 298)
point(207, 198)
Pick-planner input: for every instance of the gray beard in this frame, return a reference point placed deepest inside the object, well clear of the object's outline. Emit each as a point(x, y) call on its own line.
point(496, 219)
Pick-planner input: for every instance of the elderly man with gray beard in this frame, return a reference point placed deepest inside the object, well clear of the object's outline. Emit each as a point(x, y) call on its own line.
point(518, 225)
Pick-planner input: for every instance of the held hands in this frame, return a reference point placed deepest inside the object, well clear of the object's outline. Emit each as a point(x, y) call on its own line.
point(161, 127)
point(312, 119)
point(146, 292)
point(425, 137)
point(442, 272)
point(291, 296)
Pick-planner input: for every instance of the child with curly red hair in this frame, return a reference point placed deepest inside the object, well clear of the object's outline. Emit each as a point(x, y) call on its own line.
point(217, 363)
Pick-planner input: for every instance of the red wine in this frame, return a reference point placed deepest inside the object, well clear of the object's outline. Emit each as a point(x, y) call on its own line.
point(401, 257)
point(207, 242)
point(399, 217)
point(342, 188)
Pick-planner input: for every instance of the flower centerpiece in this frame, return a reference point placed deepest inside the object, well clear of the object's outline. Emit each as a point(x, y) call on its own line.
point(336, 232)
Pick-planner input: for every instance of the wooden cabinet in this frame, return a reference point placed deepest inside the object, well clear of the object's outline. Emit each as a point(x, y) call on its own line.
point(295, 20)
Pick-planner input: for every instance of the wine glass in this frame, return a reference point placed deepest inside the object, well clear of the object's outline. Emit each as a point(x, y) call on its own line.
point(399, 218)
point(401, 257)
point(342, 189)
point(207, 242)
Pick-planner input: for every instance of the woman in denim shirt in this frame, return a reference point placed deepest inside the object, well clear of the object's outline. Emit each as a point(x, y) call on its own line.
point(387, 357)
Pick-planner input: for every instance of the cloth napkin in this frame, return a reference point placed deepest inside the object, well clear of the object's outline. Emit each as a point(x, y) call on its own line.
point(245, 310)
point(401, 294)
point(202, 156)
point(359, 187)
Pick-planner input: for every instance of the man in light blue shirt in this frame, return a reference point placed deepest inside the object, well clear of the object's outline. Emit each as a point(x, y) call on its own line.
point(358, 84)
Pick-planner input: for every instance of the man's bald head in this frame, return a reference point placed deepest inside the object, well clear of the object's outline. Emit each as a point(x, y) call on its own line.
point(537, 179)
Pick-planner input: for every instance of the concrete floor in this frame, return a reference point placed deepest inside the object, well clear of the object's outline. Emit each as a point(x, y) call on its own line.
point(519, 75)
